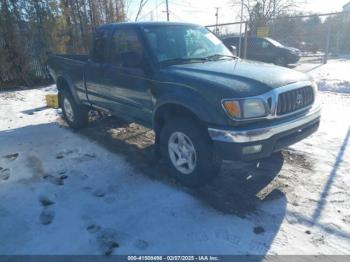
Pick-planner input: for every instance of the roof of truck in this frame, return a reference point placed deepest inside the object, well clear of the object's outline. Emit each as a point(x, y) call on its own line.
point(137, 24)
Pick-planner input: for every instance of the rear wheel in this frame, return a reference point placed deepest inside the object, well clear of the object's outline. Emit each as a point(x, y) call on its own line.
point(188, 152)
point(75, 115)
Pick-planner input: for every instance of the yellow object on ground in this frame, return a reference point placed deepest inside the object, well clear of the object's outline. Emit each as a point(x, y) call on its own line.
point(52, 100)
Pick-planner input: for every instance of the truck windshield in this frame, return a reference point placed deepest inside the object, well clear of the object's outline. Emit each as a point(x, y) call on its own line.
point(184, 44)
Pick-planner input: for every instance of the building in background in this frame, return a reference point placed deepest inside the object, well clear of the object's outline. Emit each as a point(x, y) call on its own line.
point(346, 7)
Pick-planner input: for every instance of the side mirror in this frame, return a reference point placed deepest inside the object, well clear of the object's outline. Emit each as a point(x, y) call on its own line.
point(132, 60)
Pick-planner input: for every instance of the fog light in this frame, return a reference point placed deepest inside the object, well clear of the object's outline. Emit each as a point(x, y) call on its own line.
point(251, 149)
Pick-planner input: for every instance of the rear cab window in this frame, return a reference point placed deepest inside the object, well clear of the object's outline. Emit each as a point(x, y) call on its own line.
point(99, 47)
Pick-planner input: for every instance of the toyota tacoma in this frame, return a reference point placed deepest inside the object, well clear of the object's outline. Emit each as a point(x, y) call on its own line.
point(204, 104)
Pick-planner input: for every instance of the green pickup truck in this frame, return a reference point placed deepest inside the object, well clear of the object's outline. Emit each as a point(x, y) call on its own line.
point(204, 104)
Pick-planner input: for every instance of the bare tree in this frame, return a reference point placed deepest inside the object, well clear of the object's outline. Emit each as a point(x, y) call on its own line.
point(120, 12)
point(141, 6)
point(260, 12)
point(31, 29)
point(127, 5)
point(269, 9)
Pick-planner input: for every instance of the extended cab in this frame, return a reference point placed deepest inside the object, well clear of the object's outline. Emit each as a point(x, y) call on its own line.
point(204, 104)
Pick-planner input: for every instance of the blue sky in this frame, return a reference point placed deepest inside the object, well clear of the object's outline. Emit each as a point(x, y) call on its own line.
point(203, 11)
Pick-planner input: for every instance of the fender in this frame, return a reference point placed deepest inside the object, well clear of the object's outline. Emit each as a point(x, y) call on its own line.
point(189, 100)
point(71, 86)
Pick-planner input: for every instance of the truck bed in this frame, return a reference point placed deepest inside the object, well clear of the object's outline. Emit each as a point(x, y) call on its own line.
point(71, 68)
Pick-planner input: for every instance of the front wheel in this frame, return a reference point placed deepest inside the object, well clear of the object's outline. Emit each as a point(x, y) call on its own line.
point(188, 152)
point(281, 61)
point(75, 115)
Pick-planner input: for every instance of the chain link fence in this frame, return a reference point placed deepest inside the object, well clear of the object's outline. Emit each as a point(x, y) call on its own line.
point(237, 30)
point(26, 72)
point(314, 38)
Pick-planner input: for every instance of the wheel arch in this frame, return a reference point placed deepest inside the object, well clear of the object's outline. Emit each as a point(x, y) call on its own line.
point(64, 84)
point(172, 109)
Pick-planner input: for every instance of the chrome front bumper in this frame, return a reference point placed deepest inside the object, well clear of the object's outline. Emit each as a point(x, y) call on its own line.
point(259, 134)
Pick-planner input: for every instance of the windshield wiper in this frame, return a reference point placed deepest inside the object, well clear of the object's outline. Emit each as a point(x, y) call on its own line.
point(183, 60)
point(219, 56)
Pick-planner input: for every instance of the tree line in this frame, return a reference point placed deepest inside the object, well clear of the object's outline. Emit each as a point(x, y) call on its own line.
point(29, 29)
point(313, 34)
point(310, 33)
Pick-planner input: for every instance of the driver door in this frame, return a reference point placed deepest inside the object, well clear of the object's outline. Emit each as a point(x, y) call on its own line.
point(130, 87)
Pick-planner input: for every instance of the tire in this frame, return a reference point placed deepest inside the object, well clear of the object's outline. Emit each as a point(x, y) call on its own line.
point(202, 164)
point(281, 61)
point(75, 115)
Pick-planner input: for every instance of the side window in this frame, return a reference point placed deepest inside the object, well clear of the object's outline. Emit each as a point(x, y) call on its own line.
point(265, 44)
point(230, 41)
point(256, 43)
point(99, 46)
point(235, 42)
point(125, 42)
point(166, 44)
point(227, 41)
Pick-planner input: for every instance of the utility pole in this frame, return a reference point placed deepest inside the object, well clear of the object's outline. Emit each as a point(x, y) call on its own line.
point(240, 31)
point(217, 20)
point(325, 58)
point(167, 10)
point(274, 16)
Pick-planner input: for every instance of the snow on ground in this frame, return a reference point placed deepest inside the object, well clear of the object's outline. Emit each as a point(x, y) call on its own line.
point(65, 192)
point(334, 76)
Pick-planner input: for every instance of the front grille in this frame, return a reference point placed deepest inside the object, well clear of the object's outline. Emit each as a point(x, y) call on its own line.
point(294, 100)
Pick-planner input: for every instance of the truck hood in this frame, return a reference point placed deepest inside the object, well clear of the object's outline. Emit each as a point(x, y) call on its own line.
point(261, 77)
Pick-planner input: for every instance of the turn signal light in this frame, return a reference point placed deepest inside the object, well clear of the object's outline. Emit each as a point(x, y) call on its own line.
point(232, 108)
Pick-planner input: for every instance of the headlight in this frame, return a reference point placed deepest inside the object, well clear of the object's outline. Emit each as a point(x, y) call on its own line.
point(253, 108)
point(245, 108)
